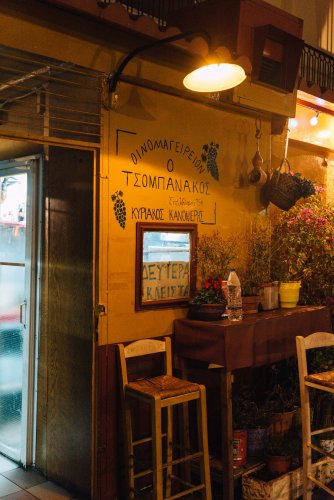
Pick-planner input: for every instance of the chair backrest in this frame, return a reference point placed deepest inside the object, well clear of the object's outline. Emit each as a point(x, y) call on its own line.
point(313, 341)
point(145, 347)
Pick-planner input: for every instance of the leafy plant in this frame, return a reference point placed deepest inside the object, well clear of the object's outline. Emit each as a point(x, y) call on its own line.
point(281, 392)
point(303, 243)
point(307, 187)
point(257, 417)
point(247, 414)
point(255, 266)
point(279, 445)
point(279, 400)
point(321, 359)
point(211, 292)
point(215, 253)
point(241, 409)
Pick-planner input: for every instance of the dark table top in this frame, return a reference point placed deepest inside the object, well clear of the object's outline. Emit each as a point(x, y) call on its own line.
point(258, 339)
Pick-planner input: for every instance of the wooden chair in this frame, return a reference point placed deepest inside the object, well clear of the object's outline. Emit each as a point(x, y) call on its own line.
point(163, 391)
point(322, 382)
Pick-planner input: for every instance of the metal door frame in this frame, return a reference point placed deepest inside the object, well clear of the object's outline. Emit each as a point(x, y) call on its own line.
point(95, 148)
point(33, 165)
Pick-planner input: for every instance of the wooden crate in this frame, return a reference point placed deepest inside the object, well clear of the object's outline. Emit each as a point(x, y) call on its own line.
point(288, 486)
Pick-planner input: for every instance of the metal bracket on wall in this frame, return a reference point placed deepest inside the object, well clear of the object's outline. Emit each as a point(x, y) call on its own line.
point(100, 309)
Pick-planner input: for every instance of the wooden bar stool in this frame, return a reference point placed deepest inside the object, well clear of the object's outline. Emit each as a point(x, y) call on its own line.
point(323, 382)
point(163, 392)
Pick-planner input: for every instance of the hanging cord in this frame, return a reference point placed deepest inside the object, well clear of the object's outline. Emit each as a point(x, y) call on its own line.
point(268, 169)
point(258, 131)
point(286, 144)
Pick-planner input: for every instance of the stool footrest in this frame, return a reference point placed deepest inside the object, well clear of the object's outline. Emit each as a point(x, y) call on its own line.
point(143, 473)
point(181, 460)
point(320, 450)
point(321, 431)
point(321, 485)
point(147, 439)
point(191, 488)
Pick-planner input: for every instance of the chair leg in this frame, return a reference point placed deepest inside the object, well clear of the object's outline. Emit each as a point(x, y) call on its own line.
point(157, 450)
point(307, 451)
point(183, 418)
point(203, 443)
point(129, 451)
point(169, 447)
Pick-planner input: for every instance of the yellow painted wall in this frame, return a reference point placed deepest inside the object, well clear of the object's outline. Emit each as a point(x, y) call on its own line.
point(144, 115)
point(171, 179)
point(330, 182)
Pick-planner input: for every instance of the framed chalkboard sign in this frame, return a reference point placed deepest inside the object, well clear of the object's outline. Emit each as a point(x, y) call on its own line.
point(165, 264)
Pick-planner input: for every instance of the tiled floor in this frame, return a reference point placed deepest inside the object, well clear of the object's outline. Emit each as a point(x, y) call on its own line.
point(20, 484)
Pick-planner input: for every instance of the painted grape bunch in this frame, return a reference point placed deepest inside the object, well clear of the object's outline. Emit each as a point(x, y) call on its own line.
point(119, 208)
point(209, 156)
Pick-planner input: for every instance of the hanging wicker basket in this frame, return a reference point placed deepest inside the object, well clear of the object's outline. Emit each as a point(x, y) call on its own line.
point(283, 189)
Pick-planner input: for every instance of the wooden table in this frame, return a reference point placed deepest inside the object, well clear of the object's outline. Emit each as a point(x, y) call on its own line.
point(257, 340)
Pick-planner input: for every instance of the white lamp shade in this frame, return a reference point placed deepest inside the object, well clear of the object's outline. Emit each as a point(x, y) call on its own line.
point(215, 77)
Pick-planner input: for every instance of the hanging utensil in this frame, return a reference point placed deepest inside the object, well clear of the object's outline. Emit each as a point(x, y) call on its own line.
point(257, 176)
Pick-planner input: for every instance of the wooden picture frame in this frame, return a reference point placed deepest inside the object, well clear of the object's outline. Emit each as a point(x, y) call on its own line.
point(165, 265)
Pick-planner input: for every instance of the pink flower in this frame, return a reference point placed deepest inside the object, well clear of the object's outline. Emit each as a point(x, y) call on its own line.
point(305, 213)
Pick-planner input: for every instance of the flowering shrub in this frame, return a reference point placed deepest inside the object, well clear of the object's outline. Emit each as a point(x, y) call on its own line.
point(303, 249)
point(211, 292)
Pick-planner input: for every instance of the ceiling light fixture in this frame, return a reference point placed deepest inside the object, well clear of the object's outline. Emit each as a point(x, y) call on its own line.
point(293, 123)
point(221, 75)
point(314, 119)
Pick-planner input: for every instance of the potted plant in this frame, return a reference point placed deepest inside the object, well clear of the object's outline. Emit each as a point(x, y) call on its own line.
point(284, 189)
point(260, 482)
point(214, 253)
point(279, 405)
point(279, 453)
point(209, 302)
point(255, 262)
point(302, 240)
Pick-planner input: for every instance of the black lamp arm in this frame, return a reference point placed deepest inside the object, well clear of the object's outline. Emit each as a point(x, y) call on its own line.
point(114, 77)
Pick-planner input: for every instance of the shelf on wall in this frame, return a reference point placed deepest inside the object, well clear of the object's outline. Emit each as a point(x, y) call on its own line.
point(314, 149)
